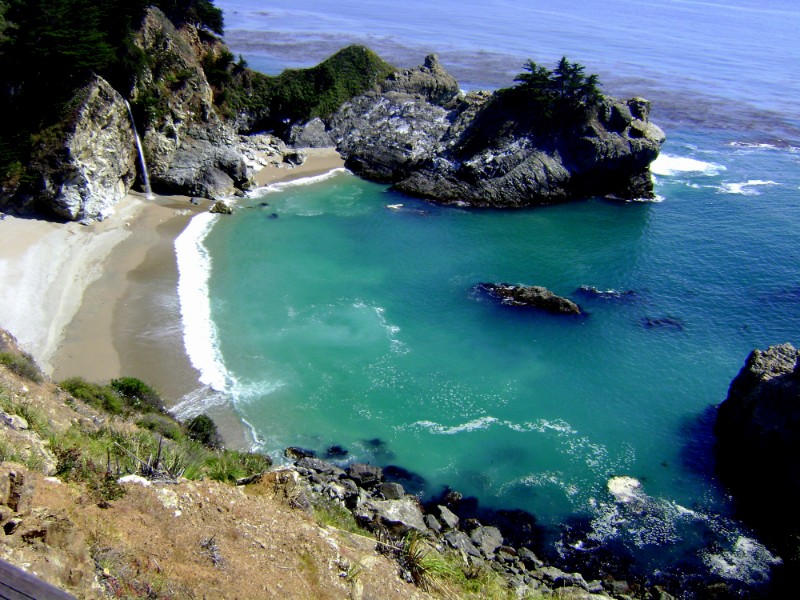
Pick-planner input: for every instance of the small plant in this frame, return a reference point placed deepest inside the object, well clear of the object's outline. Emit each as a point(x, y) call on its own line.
point(161, 424)
point(329, 512)
point(229, 465)
point(422, 563)
point(22, 365)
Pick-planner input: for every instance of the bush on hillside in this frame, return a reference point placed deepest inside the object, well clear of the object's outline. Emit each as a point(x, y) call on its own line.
point(100, 396)
point(23, 365)
point(203, 429)
point(137, 394)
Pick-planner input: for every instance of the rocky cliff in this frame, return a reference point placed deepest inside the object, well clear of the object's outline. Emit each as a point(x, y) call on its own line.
point(190, 147)
point(87, 163)
point(420, 133)
point(758, 442)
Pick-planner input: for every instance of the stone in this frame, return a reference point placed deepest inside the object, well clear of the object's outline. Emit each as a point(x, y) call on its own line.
point(447, 517)
point(312, 134)
point(321, 466)
point(433, 523)
point(529, 559)
point(461, 541)
point(391, 491)
point(530, 296)
point(15, 422)
point(365, 476)
point(221, 208)
point(397, 516)
point(486, 539)
point(295, 157)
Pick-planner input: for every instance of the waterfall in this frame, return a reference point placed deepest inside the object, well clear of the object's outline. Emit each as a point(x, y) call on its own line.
point(145, 175)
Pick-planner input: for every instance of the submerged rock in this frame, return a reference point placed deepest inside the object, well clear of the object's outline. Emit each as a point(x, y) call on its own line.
point(532, 296)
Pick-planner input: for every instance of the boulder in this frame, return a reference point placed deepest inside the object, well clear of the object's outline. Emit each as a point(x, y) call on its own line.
point(429, 81)
point(221, 208)
point(296, 453)
point(391, 491)
point(758, 440)
point(531, 296)
point(312, 134)
point(88, 165)
point(447, 517)
point(397, 516)
point(460, 541)
point(365, 476)
point(486, 539)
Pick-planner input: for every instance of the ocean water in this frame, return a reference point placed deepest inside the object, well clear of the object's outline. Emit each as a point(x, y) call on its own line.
point(327, 318)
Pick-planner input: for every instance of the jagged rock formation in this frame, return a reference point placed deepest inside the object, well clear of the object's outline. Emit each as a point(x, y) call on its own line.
point(758, 441)
point(418, 132)
point(191, 149)
point(532, 296)
point(87, 164)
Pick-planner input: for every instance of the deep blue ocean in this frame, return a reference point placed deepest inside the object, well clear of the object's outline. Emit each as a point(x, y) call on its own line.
point(342, 322)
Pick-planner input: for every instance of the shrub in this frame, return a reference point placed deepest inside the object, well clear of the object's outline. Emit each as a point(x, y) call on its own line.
point(99, 396)
point(203, 429)
point(162, 425)
point(137, 394)
point(23, 365)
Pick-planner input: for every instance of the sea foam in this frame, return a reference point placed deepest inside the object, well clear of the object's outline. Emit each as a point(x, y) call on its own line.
point(280, 186)
point(668, 165)
point(746, 188)
point(199, 333)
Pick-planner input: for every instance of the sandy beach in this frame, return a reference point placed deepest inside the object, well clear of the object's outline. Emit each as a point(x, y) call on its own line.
point(100, 301)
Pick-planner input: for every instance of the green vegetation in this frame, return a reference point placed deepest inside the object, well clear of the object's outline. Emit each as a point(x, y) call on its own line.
point(564, 92)
point(50, 48)
point(23, 365)
point(296, 94)
point(202, 429)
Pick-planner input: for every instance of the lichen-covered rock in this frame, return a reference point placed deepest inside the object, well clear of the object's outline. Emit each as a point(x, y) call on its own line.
point(398, 516)
point(88, 164)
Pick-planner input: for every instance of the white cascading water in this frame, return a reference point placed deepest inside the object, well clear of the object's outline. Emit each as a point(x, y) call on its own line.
point(145, 175)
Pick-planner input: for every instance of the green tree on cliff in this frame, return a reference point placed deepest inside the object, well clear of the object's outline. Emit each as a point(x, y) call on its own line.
point(566, 91)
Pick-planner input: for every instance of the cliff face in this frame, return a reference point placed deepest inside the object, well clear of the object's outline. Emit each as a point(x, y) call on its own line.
point(758, 441)
point(87, 164)
point(190, 148)
point(482, 149)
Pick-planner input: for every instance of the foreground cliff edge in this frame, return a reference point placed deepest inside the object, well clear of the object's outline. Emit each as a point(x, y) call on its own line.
point(196, 110)
point(758, 445)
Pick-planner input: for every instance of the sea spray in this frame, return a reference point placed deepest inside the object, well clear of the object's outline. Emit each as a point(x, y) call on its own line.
point(145, 174)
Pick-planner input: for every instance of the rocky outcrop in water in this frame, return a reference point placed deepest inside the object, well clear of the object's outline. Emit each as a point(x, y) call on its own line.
point(532, 296)
point(758, 441)
point(87, 164)
point(191, 149)
point(418, 132)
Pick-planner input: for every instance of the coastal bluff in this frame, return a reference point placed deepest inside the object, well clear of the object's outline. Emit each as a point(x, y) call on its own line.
point(202, 118)
point(758, 442)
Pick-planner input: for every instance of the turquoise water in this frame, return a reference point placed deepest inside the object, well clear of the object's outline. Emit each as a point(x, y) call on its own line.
point(341, 321)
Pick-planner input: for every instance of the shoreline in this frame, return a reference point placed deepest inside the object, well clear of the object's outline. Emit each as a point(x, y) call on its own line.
point(101, 301)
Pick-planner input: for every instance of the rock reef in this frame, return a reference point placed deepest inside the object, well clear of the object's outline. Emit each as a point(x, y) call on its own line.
point(532, 296)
